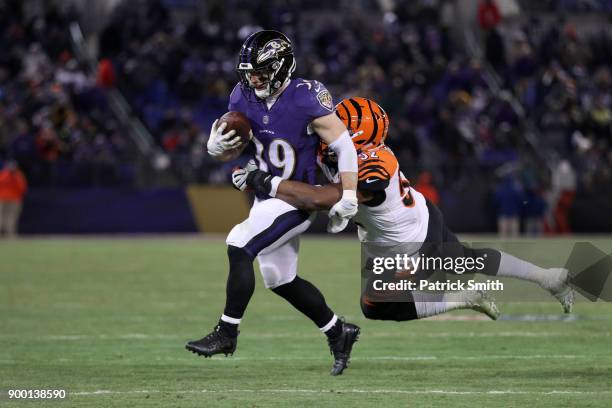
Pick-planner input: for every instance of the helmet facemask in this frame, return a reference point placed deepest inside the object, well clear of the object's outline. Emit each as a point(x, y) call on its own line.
point(267, 55)
point(268, 77)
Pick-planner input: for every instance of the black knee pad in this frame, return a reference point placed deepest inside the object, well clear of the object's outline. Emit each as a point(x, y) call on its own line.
point(370, 311)
point(236, 254)
point(491, 258)
point(286, 288)
point(396, 311)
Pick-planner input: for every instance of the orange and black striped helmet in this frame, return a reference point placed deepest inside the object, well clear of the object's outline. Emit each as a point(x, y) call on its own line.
point(365, 120)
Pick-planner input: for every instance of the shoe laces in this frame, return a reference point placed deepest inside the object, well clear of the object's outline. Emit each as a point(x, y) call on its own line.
point(216, 333)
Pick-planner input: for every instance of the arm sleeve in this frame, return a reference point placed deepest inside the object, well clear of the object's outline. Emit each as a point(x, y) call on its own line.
point(345, 150)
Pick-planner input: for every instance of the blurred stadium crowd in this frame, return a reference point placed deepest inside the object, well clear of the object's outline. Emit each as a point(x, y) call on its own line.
point(561, 74)
point(54, 119)
point(567, 6)
point(175, 68)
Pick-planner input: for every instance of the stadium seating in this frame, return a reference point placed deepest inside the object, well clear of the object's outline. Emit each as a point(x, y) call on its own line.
point(175, 68)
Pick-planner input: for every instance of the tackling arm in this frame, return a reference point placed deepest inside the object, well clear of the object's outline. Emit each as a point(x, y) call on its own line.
point(333, 132)
point(307, 197)
point(301, 195)
point(314, 198)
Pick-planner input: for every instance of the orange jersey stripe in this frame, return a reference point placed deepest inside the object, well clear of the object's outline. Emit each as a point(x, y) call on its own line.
point(380, 164)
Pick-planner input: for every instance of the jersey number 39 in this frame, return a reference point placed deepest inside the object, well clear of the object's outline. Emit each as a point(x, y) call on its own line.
point(280, 155)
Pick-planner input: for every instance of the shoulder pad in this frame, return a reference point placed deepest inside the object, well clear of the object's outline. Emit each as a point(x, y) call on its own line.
point(376, 169)
point(235, 97)
point(314, 96)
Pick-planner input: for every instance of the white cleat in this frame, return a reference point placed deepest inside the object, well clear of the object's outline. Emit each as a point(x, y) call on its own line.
point(563, 292)
point(484, 303)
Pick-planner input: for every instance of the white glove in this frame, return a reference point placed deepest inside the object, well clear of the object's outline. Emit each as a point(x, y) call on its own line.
point(336, 224)
point(218, 143)
point(342, 212)
point(239, 176)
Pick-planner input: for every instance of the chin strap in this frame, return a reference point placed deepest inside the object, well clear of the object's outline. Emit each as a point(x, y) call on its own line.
point(273, 94)
point(276, 88)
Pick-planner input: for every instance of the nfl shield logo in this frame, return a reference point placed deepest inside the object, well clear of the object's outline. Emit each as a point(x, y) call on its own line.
point(266, 120)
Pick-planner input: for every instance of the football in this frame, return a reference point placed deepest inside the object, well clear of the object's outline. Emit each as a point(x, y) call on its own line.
point(240, 123)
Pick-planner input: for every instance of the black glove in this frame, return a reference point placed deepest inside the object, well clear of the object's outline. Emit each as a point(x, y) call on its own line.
point(260, 181)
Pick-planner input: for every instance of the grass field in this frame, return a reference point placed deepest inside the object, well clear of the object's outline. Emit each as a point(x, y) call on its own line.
point(107, 320)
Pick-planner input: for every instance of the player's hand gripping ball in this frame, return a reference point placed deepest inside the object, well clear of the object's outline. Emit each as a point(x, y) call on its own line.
point(229, 136)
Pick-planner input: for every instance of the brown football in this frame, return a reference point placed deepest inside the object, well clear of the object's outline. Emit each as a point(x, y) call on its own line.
point(239, 122)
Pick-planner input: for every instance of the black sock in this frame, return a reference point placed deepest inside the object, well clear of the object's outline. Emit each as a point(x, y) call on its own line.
point(306, 298)
point(230, 329)
point(335, 331)
point(240, 282)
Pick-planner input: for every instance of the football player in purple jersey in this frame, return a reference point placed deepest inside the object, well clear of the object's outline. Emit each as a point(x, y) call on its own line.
point(288, 116)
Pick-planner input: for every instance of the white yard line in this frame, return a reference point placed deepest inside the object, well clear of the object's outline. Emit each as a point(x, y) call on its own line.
point(340, 391)
point(417, 358)
point(154, 336)
point(444, 358)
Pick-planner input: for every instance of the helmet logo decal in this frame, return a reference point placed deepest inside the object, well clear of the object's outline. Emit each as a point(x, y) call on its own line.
point(325, 100)
point(271, 49)
point(365, 120)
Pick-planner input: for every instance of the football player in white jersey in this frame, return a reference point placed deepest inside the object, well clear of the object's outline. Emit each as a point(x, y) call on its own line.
point(391, 211)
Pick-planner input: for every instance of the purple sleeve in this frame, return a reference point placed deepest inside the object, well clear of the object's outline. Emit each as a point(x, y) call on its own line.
point(314, 99)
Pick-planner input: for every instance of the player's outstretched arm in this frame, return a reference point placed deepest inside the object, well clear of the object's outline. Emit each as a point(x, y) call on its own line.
point(307, 197)
point(333, 132)
point(301, 195)
point(313, 198)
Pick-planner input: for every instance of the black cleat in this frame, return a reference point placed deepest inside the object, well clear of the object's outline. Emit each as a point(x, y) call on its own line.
point(216, 342)
point(341, 347)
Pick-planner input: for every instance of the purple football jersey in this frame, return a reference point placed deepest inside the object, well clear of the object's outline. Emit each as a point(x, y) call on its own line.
point(284, 144)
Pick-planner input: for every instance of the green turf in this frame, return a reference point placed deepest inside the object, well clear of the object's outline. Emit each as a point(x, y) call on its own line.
point(113, 315)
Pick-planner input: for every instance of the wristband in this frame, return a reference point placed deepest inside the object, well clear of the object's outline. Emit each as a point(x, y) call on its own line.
point(263, 182)
point(349, 195)
point(274, 183)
